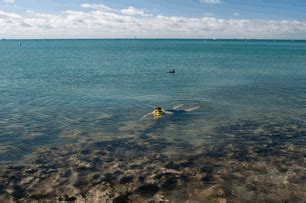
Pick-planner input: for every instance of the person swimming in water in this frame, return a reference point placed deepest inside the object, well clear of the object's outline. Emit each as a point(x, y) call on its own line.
point(159, 112)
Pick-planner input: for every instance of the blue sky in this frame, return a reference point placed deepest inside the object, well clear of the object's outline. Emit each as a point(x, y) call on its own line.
point(288, 15)
point(250, 9)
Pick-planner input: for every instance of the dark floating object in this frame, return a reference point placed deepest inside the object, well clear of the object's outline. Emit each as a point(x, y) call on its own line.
point(171, 71)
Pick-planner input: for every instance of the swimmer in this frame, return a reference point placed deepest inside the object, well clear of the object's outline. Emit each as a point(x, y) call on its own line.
point(159, 112)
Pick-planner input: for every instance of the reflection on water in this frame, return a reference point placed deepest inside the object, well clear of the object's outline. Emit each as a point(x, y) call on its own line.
point(71, 129)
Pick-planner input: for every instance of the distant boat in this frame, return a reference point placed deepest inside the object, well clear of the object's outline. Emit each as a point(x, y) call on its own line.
point(171, 71)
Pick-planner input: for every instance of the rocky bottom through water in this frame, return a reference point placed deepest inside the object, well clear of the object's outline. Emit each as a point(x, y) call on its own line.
point(268, 167)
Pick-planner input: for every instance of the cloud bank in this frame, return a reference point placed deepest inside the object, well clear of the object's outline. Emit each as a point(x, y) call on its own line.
point(100, 21)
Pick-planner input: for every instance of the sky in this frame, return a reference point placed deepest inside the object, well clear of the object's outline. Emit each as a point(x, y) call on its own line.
point(51, 19)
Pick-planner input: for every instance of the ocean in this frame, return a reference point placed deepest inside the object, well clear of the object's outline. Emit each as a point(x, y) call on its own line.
point(251, 97)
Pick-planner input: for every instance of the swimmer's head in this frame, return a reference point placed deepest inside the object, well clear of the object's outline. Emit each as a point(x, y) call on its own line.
point(158, 108)
point(158, 112)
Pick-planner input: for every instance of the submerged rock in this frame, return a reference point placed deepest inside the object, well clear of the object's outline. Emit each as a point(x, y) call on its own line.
point(147, 189)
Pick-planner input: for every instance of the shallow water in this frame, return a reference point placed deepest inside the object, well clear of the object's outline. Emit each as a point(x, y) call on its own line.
point(92, 93)
point(79, 88)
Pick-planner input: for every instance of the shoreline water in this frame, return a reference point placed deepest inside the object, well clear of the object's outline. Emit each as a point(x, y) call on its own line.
point(70, 129)
point(268, 167)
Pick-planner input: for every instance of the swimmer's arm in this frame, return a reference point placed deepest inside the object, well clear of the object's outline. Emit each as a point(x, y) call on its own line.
point(178, 106)
point(194, 108)
point(148, 114)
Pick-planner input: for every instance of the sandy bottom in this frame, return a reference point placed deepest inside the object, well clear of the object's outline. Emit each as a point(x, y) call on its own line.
point(256, 162)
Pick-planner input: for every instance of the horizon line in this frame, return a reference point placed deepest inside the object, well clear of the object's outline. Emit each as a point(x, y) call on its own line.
point(161, 38)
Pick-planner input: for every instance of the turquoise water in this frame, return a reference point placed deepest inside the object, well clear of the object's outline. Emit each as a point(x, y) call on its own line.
point(66, 91)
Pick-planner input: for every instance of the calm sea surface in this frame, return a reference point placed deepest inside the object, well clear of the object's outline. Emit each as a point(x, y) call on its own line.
point(54, 92)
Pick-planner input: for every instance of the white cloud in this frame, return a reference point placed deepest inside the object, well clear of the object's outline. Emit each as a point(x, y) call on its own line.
point(211, 1)
point(9, 1)
point(209, 14)
point(97, 6)
point(236, 14)
point(134, 12)
point(104, 22)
